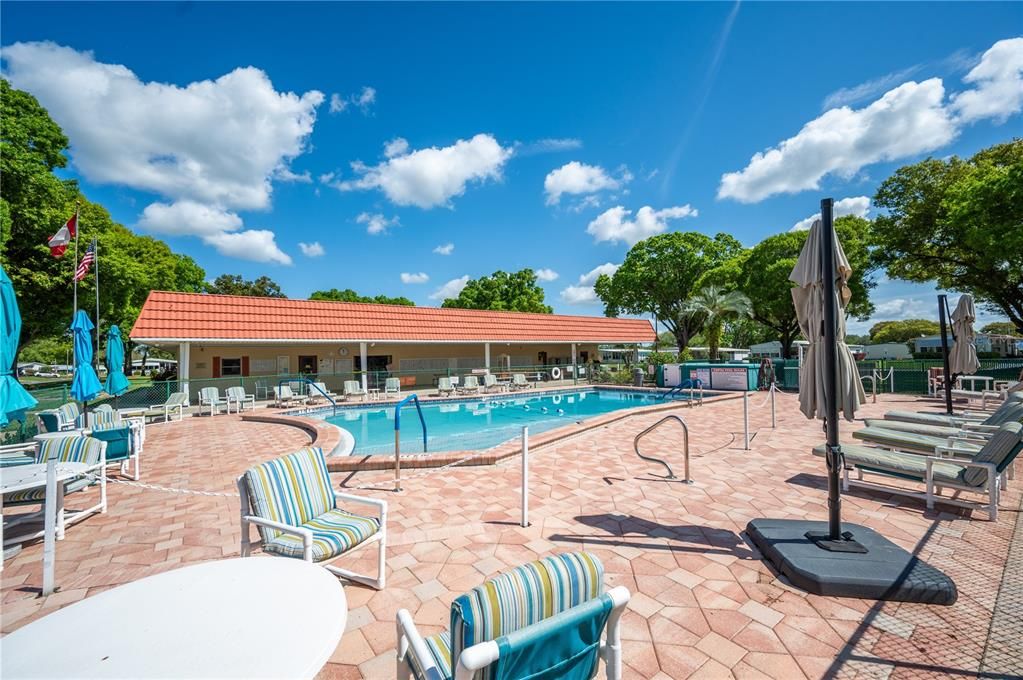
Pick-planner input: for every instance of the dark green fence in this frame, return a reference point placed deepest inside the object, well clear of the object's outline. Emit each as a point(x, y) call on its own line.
point(907, 376)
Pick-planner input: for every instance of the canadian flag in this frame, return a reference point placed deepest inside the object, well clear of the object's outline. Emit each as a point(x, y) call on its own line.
point(59, 242)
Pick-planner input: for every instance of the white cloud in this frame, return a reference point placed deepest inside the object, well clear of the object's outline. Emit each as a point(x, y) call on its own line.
point(421, 277)
point(366, 98)
point(907, 120)
point(546, 274)
point(431, 177)
point(855, 205)
point(337, 103)
point(548, 145)
point(580, 178)
point(911, 119)
point(396, 147)
point(998, 84)
point(614, 225)
point(871, 88)
point(445, 249)
point(257, 245)
point(214, 141)
point(582, 293)
point(376, 223)
point(187, 218)
point(143, 135)
point(313, 249)
point(451, 289)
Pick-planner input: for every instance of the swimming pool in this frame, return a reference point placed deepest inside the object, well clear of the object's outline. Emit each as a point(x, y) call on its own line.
point(475, 424)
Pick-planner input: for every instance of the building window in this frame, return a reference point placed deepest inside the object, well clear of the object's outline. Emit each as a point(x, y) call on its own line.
point(230, 367)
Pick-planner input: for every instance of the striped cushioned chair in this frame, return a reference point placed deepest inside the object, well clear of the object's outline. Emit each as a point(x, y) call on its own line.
point(543, 619)
point(291, 502)
point(70, 449)
point(64, 417)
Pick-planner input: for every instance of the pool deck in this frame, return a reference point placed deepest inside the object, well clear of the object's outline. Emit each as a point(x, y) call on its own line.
point(703, 603)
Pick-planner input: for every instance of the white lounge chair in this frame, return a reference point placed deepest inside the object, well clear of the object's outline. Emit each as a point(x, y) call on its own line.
point(236, 395)
point(490, 383)
point(292, 503)
point(519, 382)
point(353, 388)
point(210, 396)
point(470, 386)
point(176, 401)
point(283, 396)
point(445, 386)
point(544, 619)
point(392, 386)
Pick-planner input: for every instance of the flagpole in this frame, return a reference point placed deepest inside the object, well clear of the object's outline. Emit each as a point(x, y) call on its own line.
point(95, 263)
point(74, 265)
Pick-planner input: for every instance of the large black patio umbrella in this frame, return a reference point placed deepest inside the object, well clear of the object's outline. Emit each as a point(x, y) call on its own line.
point(829, 558)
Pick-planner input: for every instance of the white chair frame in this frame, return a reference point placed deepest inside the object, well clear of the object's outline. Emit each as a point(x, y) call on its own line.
point(240, 401)
point(481, 655)
point(380, 537)
point(214, 404)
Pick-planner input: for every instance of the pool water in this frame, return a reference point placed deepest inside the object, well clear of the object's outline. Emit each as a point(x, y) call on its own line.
point(482, 423)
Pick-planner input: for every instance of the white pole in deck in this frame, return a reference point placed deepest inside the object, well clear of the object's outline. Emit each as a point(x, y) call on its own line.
point(525, 476)
point(774, 422)
point(745, 419)
point(50, 525)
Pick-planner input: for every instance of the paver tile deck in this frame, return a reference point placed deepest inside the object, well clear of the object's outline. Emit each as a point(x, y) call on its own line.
point(704, 604)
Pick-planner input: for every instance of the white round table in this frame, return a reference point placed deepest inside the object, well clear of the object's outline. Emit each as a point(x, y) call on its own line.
point(256, 617)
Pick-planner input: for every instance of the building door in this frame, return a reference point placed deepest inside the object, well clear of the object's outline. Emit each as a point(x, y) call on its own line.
point(283, 365)
point(376, 364)
point(541, 358)
point(307, 364)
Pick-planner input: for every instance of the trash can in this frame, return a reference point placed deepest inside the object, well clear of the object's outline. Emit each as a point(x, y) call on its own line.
point(637, 377)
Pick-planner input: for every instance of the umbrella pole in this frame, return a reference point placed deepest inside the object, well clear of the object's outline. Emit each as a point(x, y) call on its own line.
point(834, 452)
point(942, 304)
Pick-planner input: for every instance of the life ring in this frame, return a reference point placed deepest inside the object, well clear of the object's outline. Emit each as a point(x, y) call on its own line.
point(556, 399)
point(556, 373)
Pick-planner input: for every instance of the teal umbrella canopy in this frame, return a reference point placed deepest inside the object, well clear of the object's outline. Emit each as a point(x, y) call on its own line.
point(14, 399)
point(117, 383)
point(85, 385)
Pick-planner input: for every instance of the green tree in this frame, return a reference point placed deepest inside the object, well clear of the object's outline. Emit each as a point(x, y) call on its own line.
point(999, 328)
point(715, 306)
point(659, 276)
point(47, 350)
point(902, 331)
point(349, 295)
point(501, 291)
point(233, 284)
point(762, 273)
point(960, 223)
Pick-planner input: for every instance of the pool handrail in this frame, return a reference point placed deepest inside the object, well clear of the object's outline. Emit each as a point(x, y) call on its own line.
point(689, 384)
point(397, 435)
point(313, 385)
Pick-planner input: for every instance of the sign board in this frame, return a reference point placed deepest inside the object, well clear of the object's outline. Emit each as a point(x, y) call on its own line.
point(729, 378)
point(702, 374)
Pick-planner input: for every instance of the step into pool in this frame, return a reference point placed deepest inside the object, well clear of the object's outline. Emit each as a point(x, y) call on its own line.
point(482, 423)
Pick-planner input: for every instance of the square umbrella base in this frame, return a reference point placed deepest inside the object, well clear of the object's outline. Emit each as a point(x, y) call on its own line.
point(884, 572)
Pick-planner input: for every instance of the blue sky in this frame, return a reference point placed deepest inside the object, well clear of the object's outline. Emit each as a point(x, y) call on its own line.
point(547, 136)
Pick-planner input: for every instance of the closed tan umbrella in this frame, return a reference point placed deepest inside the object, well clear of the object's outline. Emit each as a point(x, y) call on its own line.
point(963, 357)
point(808, 298)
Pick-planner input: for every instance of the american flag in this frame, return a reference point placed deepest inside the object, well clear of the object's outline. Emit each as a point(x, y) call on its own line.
point(87, 260)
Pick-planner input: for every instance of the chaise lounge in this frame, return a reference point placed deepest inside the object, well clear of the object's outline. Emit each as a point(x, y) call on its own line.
point(981, 473)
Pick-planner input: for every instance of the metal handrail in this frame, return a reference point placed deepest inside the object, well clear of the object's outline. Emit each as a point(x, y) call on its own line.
point(873, 382)
point(685, 447)
point(313, 385)
point(397, 435)
point(689, 384)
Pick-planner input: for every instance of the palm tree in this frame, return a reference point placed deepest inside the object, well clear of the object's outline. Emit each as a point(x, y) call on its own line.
point(716, 306)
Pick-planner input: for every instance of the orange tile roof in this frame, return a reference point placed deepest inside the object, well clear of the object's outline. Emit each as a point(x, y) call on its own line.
point(190, 316)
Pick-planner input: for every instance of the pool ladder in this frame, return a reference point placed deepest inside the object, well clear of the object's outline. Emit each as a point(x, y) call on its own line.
point(685, 447)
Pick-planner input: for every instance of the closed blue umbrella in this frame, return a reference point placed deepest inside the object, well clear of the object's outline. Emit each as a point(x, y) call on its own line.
point(117, 383)
point(85, 384)
point(13, 397)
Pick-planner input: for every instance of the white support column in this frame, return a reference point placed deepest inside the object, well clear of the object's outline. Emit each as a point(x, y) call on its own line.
point(364, 363)
point(575, 366)
point(486, 356)
point(184, 364)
